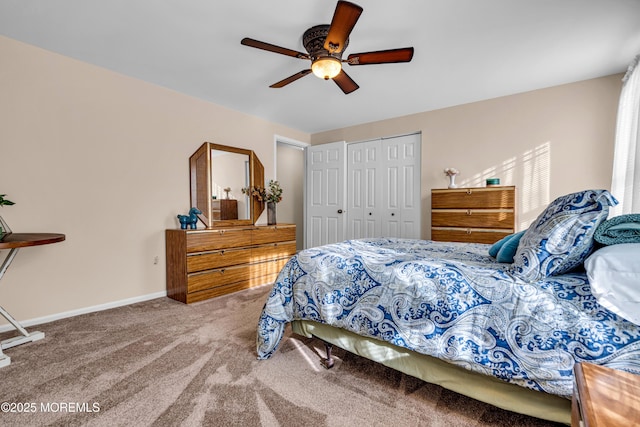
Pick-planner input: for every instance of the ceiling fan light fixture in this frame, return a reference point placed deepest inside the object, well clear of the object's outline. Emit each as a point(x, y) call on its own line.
point(326, 67)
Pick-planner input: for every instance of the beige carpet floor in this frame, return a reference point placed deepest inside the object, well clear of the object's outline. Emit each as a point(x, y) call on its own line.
point(163, 363)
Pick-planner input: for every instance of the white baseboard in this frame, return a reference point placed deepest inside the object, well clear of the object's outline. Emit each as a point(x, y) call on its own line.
point(85, 310)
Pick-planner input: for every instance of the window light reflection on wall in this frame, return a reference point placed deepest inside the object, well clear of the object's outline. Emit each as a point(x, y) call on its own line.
point(326, 67)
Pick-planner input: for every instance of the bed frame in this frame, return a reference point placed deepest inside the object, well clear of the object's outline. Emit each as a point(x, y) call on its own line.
point(477, 386)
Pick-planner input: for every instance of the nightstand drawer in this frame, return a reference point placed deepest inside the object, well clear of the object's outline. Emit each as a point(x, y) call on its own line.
point(468, 235)
point(495, 197)
point(472, 218)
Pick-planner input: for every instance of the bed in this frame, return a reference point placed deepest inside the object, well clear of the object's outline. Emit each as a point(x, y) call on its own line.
point(504, 333)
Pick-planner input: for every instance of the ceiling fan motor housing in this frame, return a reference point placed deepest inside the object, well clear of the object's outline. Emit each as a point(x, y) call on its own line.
point(313, 42)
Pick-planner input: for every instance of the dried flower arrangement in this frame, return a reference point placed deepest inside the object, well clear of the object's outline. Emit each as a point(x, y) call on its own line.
point(273, 193)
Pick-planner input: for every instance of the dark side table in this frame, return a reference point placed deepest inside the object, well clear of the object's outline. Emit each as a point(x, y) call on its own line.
point(13, 242)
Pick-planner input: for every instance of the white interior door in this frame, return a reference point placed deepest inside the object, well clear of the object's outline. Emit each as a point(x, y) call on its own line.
point(325, 192)
point(400, 210)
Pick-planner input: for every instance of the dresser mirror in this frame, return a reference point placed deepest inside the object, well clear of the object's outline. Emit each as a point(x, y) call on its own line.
point(218, 173)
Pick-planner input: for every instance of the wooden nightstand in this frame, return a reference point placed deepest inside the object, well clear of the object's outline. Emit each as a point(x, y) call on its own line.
point(480, 215)
point(604, 397)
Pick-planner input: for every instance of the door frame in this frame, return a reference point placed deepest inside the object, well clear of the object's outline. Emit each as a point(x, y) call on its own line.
point(279, 139)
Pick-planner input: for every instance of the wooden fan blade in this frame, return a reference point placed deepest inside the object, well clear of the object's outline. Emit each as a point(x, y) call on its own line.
point(273, 48)
point(291, 79)
point(344, 19)
point(345, 82)
point(381, 56)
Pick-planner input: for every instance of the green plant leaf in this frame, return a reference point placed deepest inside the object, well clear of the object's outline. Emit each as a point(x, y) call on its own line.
point(5, 202)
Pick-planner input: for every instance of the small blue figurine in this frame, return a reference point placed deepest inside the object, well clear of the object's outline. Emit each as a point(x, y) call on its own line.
point(189, 220)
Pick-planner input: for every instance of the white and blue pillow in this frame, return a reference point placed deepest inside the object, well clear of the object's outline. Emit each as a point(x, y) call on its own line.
point(561, 238)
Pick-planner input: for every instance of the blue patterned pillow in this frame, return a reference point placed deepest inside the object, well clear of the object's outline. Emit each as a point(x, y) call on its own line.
point(561, 238)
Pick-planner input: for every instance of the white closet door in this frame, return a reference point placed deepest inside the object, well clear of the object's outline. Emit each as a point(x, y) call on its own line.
point(364, 190)
point(400, 210)
point(325, 188)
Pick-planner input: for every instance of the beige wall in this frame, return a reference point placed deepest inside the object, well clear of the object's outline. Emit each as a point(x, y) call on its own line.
point(290, 163)
point(547, 142)
point(102, 158)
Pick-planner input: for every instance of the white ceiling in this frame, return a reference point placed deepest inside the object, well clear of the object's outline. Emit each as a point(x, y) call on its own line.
point(465, 50)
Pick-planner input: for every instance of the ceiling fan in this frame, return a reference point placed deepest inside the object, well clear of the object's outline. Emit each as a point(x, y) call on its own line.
point(325, 45)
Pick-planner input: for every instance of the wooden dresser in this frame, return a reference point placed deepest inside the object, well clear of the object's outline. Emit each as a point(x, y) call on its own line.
point(202, 264)
point(604, 397)
point(479, 215)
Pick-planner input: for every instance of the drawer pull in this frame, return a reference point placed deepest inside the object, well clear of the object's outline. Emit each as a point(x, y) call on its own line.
point(468, 211)
point(222, 252)
point(468, 231)
point(222, 231)
point(469, 191)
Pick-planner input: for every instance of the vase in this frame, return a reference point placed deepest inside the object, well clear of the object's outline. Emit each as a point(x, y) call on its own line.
point(271, 213)
point(452, 181)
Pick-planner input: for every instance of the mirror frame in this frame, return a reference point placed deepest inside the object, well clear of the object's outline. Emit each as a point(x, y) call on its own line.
point(200, 184)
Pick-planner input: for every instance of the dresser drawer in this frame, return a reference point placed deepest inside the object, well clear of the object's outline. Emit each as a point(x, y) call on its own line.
point(217, 291)
point(218, 239)
point(274, 233)
point(497, 197)
point(470, 218)
point(468, 235)
point(200, 261)
point(218, 277)
point(267, 269)
point(273, 251)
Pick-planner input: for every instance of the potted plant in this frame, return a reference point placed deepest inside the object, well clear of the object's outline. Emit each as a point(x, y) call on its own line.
point(271, 194)
point(4, 228)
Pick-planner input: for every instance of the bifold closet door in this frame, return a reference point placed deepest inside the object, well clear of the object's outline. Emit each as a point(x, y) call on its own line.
point(364, 189)
point(383, 188)
point(401, 170)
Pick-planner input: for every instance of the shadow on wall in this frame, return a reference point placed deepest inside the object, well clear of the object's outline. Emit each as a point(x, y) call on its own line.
point(530, 172)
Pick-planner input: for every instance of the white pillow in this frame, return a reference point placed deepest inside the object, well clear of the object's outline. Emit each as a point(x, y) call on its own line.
point(614, 275)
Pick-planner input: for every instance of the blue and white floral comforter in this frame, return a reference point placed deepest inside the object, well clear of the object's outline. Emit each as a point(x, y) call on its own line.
point(454, 302)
